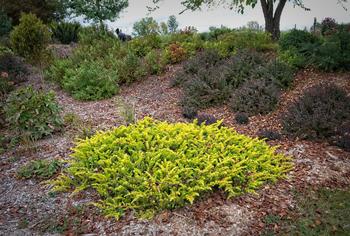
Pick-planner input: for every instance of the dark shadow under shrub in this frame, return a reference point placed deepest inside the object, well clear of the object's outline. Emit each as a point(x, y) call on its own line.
point(269, 134)
point(242, 118)
point(206, 119)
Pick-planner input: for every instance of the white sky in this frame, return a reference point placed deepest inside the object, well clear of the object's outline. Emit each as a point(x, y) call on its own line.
point(221, 16)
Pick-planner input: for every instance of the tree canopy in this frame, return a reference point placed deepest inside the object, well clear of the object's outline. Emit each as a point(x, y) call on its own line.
point(45, 10)
point(98, 10)
point(146, 26)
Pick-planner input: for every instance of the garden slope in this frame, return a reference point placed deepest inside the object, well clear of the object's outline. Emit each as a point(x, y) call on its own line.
point(26, 203)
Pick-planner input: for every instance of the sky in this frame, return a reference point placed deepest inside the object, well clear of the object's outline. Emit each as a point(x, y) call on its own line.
point(202, 20)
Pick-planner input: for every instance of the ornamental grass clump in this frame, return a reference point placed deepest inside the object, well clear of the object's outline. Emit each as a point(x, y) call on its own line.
point(151, 166)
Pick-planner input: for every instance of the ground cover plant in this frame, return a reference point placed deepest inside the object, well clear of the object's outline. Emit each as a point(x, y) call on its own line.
point(152, 166)
point(41, 169)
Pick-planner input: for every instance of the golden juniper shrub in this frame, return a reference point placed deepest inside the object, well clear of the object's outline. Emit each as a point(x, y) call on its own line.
point(151, 165)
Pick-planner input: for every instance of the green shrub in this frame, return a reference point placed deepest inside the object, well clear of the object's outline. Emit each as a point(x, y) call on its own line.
point(155, 62)
point(256, 96)
point(296, 39)
point(130, 68)
point(192, 47)
point(5, 24)
point(333, 54)
point(318, 113)
point(152, 166)
point(292, 57)
point(127, 111)
point(90, 81)
point(221, 47)
point(30, 38)
point(58, 70)
point(65, 32)
point(143, 45)
point(215, 32)
point(40, 169)
point(32, 113)
point(247, 39)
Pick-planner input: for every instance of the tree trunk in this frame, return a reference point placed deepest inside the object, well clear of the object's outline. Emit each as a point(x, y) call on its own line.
point(272, 18)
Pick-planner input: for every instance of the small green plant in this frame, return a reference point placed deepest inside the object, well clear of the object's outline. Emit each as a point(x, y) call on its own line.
point(32, 113)
point(127, 111)
point(151, 166)
point(242, 118)
point(30, 38)
point(23, 223)
point(40, 169)
point(79, 128)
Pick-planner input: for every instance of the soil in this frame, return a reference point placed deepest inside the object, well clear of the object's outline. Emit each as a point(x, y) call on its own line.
point(27, 207)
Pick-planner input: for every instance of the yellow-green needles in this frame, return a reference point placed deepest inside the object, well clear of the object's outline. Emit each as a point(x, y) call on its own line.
point(151, 165)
